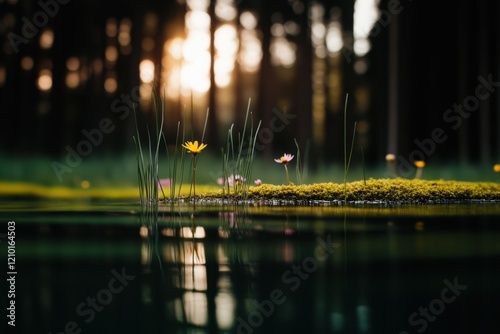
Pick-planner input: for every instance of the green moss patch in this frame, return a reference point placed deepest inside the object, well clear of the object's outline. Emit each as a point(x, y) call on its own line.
point(384, 190)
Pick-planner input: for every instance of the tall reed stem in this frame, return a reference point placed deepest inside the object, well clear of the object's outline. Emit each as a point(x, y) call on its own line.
point(286, 172)
point(194, 177)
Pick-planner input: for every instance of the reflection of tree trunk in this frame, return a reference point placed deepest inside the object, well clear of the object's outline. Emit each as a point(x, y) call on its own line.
point(212, 268)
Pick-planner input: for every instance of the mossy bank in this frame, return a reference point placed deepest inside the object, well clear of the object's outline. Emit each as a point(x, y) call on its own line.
point(380, 190)
point(389, 191)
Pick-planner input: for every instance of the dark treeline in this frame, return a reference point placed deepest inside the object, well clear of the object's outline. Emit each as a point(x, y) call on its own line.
point(429, 90)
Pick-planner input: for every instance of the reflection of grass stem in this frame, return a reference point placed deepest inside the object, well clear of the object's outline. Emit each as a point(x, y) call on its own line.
point(345, 240)
point(148, 218)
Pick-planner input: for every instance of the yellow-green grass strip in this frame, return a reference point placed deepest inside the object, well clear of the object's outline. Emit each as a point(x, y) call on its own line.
point(30, 190)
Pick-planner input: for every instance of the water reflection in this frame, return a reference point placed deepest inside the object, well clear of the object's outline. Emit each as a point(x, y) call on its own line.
point(201, 289)
point(240, 274)
point(218, 279)
point(235, 269)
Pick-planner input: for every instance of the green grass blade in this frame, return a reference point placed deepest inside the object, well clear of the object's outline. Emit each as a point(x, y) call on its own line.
point(182, 153)
point(298, 166)
point(205, 125)
point(352, 147)
point(363, 162)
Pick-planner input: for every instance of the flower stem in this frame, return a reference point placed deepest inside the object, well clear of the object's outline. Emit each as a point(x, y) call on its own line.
point(194, 186)
point(194, 176)
point(392, 168)
point(418, 175)
point(286, 171)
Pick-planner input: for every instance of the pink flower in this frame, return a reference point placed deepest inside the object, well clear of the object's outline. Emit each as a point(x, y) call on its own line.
point(164, 183)
point(286, 158)
point(258, 182)
point(231, 180)
point(235, 179)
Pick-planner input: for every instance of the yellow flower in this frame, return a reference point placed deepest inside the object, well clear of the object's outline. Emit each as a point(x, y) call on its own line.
point(496, 168)
point(419, 163)
point(193, 148)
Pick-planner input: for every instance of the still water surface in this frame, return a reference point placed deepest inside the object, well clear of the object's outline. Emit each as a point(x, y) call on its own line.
point(100, 267)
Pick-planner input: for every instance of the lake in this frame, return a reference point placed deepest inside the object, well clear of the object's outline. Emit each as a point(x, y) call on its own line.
point(118, 267)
